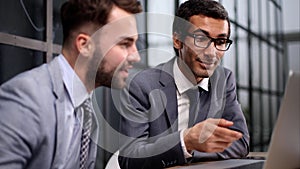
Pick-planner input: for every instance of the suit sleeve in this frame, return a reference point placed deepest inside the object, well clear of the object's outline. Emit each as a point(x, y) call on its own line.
point(145, 147)
point(232, 111)
point(19, 125)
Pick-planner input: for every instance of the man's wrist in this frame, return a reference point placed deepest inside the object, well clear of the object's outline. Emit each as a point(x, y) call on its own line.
point(186, 153)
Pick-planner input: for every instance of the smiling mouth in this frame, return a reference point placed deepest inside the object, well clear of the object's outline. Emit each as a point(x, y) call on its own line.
point(125, 70)
point(206, 64)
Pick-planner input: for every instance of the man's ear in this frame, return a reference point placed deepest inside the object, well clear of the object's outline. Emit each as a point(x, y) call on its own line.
point(84, 45)
point(177, 42)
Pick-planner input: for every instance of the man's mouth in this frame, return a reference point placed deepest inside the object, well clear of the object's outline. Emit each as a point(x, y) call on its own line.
point(125, 69)
point(206, 64)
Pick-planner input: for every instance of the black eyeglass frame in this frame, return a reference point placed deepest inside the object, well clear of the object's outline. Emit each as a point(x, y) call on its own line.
point(228, 41)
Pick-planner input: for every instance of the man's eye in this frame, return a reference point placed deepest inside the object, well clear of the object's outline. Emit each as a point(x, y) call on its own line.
point(125, 44)
point(221, 41)
point(202, 38)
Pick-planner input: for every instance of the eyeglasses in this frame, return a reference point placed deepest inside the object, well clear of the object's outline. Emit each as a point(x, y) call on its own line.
point(203, 41)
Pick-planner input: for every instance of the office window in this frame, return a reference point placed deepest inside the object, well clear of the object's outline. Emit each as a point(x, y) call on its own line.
point(26, 35)
point(257, 31)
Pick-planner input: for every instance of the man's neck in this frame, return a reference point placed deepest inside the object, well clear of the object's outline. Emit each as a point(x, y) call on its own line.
point(187, 72)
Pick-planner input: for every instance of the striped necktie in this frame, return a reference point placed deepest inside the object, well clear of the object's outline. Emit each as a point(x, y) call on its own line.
point(86, 132)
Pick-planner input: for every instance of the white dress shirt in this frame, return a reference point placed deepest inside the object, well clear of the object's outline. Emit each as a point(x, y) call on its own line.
point(182, 85)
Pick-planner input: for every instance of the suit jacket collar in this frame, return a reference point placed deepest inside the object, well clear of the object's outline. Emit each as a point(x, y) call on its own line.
point(182, 82)
point(73, 84)
point(56, 78)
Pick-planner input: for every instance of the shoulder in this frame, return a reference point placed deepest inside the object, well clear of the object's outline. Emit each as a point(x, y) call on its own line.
point(153, 75)
point(222, 71)
point(150, 74)
point(27, 89)
point(29, 95)
point(36, 81)
point(223, 80)
point(26, 104)
point(27, 81)
point(230, 77)
point(223, 75)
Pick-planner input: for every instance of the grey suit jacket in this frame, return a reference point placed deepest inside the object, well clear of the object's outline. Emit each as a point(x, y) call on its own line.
point(32, 129)
point(149, 117)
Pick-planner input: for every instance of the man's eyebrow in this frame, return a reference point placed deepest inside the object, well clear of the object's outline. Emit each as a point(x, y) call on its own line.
point(207, 33)
point(126, 38)
point(201, 31)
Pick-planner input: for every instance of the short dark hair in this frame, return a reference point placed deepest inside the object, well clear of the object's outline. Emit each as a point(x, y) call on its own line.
point(186, 10)
point(75, 13)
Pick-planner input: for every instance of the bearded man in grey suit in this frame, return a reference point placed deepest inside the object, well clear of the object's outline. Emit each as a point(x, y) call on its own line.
point(40, 109)
point(163, 123)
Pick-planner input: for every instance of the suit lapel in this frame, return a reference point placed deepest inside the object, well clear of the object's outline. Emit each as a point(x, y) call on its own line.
point(58, 90)
point(217, 91)
point(169, 89)
point(61, 148)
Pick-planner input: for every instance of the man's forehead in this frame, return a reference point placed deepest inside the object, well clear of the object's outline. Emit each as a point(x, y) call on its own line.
point(126, 25)
point(117, 13)
point(208, 25)
point(118, 29)
point(114, 32)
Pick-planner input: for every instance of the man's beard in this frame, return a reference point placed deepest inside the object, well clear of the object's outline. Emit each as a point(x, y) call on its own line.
point(108, 78)
point(103, 77)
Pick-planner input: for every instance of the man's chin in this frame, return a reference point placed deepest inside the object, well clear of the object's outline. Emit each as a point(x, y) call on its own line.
point(205, 74)
point(209, 72)
point(118, 84)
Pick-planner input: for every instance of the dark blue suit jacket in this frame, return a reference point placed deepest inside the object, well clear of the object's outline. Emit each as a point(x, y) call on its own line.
point(149, 118)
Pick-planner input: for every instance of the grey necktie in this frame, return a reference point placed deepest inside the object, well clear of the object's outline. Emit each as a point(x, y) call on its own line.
point(193, 95)
point(86, 132)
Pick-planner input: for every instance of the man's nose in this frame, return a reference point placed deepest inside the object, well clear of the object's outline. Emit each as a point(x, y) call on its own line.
point(210, 50)
point(133, 54)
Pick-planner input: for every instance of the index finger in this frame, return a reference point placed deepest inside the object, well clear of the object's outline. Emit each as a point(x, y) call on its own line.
point(225, 123)
point(228, 133)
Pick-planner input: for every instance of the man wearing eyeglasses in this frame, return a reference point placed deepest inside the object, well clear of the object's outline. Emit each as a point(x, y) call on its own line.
point(186, 110)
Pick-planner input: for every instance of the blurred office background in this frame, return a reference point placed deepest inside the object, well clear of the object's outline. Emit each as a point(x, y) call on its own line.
point(266, 46)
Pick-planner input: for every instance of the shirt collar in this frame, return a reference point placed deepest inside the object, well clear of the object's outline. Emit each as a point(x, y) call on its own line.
point(75, 88)
point(183, 84)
